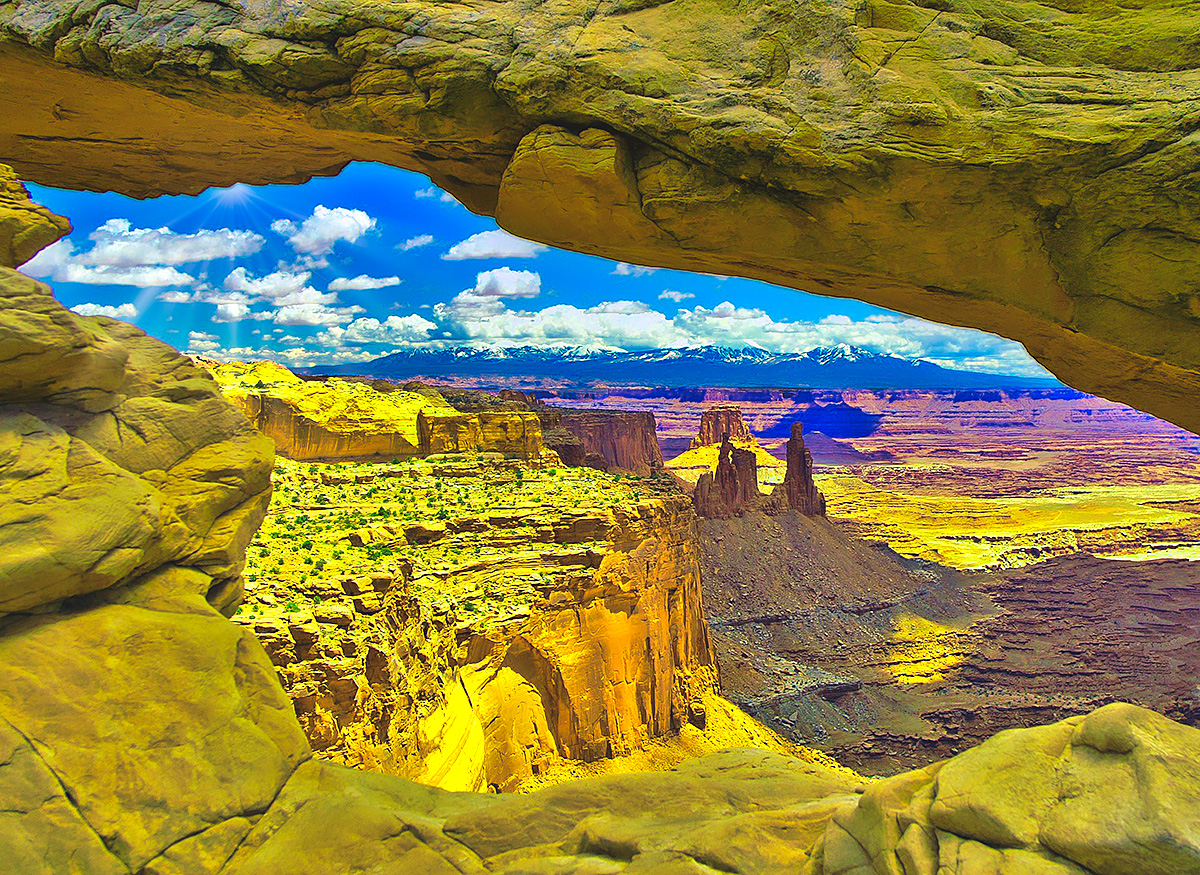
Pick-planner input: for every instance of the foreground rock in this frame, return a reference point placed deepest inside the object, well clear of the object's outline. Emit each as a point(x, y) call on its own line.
point(25, 227)
point(1017, 171)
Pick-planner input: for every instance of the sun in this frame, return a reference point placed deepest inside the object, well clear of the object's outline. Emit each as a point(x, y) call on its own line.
point(236, 194)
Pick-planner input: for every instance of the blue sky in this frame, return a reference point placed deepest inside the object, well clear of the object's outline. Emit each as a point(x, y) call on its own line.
point(351, 267)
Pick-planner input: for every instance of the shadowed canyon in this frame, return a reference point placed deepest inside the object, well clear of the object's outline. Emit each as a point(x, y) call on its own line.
point(259, 620)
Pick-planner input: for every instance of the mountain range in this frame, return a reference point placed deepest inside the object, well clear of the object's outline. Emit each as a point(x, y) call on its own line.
point(837, 367)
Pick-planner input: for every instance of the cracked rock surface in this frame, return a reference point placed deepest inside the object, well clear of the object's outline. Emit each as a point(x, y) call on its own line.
point(1027, 168)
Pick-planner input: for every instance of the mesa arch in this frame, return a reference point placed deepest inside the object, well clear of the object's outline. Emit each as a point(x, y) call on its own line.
point(1027, 168)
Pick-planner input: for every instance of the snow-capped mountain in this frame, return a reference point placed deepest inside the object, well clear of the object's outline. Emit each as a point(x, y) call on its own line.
point(838, 367)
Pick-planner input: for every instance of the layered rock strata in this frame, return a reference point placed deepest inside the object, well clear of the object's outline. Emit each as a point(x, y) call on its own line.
point(945, 162)
point(720, 422)
point(338, 419)
point(25, 227)
point(620, 441)
point(579, 633)
point(512, 433)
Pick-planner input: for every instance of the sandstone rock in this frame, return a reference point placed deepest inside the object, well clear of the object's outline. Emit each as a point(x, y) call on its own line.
point(622, 441)
point(25, 227)
point(509, 433)
point(797, 491)
point(731, 488)
point(135, 461)
point(325, 419)
point(946, 162)
point(720, 422)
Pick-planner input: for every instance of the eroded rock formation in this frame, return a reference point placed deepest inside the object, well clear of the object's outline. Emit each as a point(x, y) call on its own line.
point(25, 227)
point(798, 491)
point(336, 419)
point(1024, 171)
point(621, 441)
point(720, 422)
point(609, 651)
point(511, 433)
point(731, 488)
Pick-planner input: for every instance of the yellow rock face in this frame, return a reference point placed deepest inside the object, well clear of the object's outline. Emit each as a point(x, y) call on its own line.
point(494, 622)
point(141, 731)
point(25, 227)
point(325, 419)
point(1026, 169)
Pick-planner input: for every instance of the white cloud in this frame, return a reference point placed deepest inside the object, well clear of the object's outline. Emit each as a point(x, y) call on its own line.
point(362, 281)
point(434, 192)
point(273, 285)
point(415, 242)
point(122, 311)
point(175, 297)
point(60, 263)
point(317, 234)
point(677, 297)
point(623, 269)
point(201, 343)
point(314, 313)
point(119, 244)
point(493, 244)
point(200, 335)
point(618, 324)
point(504, 282)
point(399, 330)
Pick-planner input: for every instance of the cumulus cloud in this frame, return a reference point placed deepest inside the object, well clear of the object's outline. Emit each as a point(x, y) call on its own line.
point(201, 343)
point(623, 269)
point(504, 282)
point(362, 281)
point(118, 244)
point(617, 324)
point(314, 313)
point(397, 330)
point(273, 285)
point(435, 192)
point(493, 244)
point(175, 296)
point(317, 234)
point(677, 297)
point(122, 311)
point(60, 263)
point(415, 242)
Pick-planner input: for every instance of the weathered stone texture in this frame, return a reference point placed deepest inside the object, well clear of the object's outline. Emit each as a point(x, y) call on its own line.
point(1027, 169)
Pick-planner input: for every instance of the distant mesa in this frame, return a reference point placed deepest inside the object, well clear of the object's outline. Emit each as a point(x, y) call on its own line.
point(720, 422)
point(343, 419)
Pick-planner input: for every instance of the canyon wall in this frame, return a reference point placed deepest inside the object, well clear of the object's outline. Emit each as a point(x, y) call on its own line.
point(612, 651)
point(619, 441)
point(334, 419)
point(511, 433)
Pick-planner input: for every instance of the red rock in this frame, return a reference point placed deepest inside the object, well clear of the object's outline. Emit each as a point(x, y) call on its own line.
point(719, 422)
point(797, 491)
point(730, 490)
